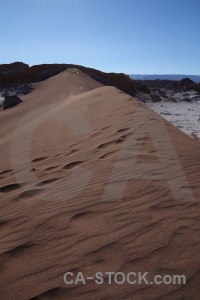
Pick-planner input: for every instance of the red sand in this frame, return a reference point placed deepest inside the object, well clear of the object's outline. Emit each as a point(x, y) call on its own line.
point(67, 152)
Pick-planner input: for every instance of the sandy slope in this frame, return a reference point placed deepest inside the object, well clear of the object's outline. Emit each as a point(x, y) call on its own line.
point(94, 181)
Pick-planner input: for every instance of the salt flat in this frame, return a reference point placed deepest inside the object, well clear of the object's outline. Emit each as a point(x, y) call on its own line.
point(183, 115)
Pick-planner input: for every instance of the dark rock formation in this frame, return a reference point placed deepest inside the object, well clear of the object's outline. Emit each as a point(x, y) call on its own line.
point(19, 76)
point(11, 101)
point(19, 89)
point(20, 73)
point(188, 85)
point(25, 74)
point(156, 83)
point(184, 90)
point(15, 68)
point(186, 81)
point(119, 80)
point(156, 97)
point(142, 88)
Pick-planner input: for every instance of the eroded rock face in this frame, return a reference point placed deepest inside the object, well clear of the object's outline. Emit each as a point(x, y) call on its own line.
point(11, 101)
point(188, 84)
point(19, 73)
point(119, 80)
point(176, 91)
point(19, 89)
point(15, 68)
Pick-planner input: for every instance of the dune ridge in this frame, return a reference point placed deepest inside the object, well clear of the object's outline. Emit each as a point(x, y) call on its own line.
point(59, 148)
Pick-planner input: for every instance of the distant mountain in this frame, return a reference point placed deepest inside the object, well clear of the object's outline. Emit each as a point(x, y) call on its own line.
point(195, 78)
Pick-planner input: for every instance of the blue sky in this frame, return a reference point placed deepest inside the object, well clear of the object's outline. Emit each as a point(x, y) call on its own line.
point(129, 36)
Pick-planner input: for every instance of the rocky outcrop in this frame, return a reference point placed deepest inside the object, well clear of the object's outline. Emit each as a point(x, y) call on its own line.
point(19, 89)
point(11, 101)
point(189, 85)
point(20, 73)
point(16, 68)
point(142, 88)
point(119, 80)
point(156, 83)
point(185, 90)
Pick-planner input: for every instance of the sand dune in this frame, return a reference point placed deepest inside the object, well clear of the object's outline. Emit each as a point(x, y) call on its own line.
point(94, 181)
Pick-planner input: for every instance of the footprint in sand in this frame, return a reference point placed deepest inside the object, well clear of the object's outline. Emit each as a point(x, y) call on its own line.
point(73, 165)
point(105, 145)
point(71, 152)
point(107, 155)
point(42, 183)
point(10, 187)
point(39, 159)
point(123, 130)
point(51, 168)
point(5, 172)
point(119, 141)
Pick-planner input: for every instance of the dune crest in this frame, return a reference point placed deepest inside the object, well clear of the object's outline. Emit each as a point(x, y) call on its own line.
point(61, 150)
